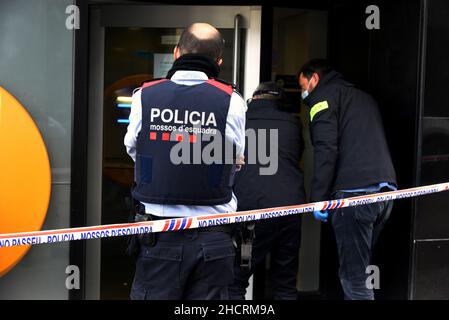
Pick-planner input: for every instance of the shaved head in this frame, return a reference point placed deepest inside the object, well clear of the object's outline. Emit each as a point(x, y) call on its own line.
point(202, 38)
point(203, 31)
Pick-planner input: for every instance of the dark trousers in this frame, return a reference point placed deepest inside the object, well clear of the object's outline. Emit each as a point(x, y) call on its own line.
point(281, 236)
point(187, 265)
point(356, 231)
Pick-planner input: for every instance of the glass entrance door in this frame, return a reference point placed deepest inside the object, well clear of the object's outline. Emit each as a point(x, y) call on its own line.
point(131, 44)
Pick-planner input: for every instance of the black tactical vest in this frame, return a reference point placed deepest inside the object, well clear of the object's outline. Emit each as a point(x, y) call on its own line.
point(187, 118)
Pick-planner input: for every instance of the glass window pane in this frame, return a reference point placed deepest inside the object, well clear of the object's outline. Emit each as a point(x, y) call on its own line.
point(36, 66)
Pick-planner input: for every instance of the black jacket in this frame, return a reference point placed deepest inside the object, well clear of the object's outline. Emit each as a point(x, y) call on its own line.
point(286, 186)
point(350, 149)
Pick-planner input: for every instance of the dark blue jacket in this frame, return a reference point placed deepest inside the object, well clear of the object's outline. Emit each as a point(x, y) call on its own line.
point(286, 186)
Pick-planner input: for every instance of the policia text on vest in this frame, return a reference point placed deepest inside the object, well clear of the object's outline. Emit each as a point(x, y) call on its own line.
point(187, 127)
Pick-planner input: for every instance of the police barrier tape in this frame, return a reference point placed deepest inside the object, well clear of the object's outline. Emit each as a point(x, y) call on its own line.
point(175, 224)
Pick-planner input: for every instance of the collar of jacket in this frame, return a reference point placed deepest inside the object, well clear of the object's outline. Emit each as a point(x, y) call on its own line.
point(329, 78)
point(267, 109)
point(195, 62)
point(262, 103)
point(186, 75)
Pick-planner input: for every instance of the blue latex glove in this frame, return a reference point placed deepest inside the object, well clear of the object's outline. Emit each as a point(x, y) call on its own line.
point(321, 215)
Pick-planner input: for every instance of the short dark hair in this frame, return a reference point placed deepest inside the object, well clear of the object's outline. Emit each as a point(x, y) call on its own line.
point(320, 66)
point(211, 47)
point(271, 90)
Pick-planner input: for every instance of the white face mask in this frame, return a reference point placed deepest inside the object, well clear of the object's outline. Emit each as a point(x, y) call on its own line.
point(305, 94)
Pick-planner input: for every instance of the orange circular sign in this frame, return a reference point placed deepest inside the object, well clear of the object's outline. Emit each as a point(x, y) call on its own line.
point(25, 177)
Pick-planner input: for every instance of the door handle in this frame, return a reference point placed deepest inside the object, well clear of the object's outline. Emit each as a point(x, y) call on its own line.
point(236, 54)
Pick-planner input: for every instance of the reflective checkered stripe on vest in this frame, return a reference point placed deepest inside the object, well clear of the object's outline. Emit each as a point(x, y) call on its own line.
point(172, 113)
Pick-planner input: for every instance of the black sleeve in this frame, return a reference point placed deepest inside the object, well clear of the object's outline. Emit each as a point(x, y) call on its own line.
point(291, 142)
point(301, 139)
point(324, 135)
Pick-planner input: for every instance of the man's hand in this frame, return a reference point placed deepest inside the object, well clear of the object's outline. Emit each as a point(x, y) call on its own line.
point(240, 162)
point(321, 215)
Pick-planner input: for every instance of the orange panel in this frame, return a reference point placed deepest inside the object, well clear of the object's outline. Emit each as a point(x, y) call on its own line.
point(25, 177)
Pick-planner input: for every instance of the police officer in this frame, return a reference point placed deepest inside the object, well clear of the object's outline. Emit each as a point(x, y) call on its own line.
point(280, 236)
point(351, 158)
point(197, 263)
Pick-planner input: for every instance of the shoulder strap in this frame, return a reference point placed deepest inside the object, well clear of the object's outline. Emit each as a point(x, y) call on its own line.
point(225, 82)
point(222, 85)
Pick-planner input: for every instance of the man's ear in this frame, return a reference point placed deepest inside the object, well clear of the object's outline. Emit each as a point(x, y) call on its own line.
point(176, 53)
point(220, 61)
point(316, 78)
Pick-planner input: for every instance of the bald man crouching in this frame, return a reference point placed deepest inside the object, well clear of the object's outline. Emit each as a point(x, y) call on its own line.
point(188, 263)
